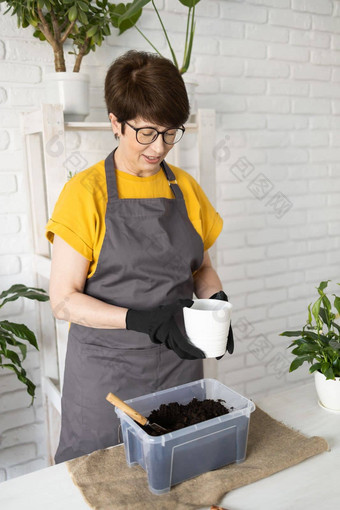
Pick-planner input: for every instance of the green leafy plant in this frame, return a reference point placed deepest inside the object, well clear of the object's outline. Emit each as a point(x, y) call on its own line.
point(319, 340)
point(86, 23)
point(10, 332)
point(137, 5)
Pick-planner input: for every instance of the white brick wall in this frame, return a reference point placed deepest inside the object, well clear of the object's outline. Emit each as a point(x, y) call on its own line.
point(270, 68)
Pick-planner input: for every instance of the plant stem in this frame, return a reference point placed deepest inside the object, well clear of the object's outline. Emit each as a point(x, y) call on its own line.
point(67, 31)
point(186, 38)
point(80, 55)
point(59, 60)
point(43, 27)
point(141, 33)
point(166, 35)
point(56, 29)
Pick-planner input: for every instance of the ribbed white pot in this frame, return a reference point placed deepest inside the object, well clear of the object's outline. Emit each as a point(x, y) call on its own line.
point(328, 391)
point(191, 85)
point(72, 91)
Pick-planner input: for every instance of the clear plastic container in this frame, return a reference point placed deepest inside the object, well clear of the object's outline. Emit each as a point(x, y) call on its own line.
point(177, 456)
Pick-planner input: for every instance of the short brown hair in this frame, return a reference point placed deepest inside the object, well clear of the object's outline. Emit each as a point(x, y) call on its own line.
point(141, 84)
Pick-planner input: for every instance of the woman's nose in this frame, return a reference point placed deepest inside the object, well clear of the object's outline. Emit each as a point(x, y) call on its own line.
point(158, 145)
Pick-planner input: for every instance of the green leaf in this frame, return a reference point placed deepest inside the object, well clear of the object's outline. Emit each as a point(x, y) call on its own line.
point(297, 362)
point(329, 374)
point(337, 302)
point(7, 338)
point(336, 326)
point(336, 367)
point(335, 345)
point(20, 290)
point(11, 355)
point(322, 286)
point(309, 321)
point(315, 310)
point(83, 5)
point(292, 333)
point(132, 10)
point(324, 316)
point(306, 348)
point(314, 367)
point(21, 375)
point(21, 331)
point(189, 3)
point(72, 13)
point(91, 31)
point(83, 18)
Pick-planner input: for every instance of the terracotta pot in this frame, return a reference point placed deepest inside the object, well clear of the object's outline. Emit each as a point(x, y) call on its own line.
point(328, 391)
point(72, 91)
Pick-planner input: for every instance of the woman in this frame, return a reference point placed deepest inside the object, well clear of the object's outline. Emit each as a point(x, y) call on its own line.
point(130, 239)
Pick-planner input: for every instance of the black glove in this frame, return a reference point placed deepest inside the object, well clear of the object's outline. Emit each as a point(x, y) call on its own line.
point(160, 324)
point(230, 344)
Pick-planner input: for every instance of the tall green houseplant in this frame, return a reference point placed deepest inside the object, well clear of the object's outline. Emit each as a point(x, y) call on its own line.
point(12, 350)
point(135, 7)
point(84, 22)
point(318, 342)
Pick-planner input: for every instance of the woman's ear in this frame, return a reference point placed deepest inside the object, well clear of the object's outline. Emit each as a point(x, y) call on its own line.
point(115, 125)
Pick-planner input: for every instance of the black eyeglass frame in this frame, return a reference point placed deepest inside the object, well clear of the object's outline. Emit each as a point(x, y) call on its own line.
point(158, 133)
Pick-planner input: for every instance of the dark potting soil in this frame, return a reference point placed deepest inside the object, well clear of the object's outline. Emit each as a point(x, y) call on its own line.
point(175, 416)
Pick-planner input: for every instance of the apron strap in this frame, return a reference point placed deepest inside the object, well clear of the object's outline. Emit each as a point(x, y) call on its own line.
point(111, 181)
point(171, 177)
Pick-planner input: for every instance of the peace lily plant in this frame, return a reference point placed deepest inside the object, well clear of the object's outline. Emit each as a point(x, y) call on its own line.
point(12, 350)
point(85, 23)
point(131, 16)
point(318, 342)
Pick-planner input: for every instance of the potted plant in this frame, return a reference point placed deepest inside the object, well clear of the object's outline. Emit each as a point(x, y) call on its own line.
point(85, 24)
point(318, 343)
point(130, 16)
point(12, 350)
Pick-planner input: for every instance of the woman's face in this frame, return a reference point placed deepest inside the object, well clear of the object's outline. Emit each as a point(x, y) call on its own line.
point(133, 157)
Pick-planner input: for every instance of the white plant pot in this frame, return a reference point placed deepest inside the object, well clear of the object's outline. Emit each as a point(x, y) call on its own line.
point(72, 91)
point(191, 85)
point(328, 391)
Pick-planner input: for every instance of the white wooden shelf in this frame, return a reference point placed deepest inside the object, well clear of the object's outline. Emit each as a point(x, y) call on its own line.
point(43, 132)
point(106, 126)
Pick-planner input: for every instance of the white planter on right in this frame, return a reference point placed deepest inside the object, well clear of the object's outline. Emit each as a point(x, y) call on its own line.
point(328, 391)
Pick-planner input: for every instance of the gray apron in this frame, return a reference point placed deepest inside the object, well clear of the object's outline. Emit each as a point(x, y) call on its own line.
point(148, 256)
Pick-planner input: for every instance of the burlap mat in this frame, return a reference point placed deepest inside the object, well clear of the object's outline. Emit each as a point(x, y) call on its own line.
point(107, 483)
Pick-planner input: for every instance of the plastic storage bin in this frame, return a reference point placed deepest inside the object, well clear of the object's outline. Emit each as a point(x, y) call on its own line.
point(185, 453)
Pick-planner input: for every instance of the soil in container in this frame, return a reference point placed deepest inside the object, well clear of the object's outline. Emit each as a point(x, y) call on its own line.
point(175, 416)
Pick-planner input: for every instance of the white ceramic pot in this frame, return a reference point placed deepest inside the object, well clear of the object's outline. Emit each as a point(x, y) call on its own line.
point(191, 85)
point(328, 391)
point(72, 91)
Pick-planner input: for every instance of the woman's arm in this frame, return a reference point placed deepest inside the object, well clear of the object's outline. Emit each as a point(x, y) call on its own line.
point(68, 276)
point(206, 280)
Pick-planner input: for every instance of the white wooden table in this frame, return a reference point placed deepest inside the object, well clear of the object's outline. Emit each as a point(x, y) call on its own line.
point(311, 485)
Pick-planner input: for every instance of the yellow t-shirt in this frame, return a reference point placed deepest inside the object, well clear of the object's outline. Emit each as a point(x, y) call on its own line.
point(79, 214)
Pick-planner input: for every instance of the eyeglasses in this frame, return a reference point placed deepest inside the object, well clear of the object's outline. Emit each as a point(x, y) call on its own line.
point(146, 135)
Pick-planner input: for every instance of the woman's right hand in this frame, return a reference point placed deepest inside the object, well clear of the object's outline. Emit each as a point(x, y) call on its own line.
point(161, 326)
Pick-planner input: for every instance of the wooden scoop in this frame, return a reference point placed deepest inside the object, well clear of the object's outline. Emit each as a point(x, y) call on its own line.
point(135, 415)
